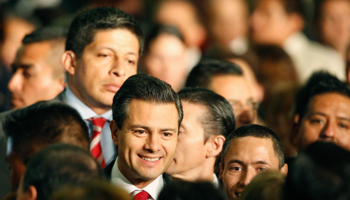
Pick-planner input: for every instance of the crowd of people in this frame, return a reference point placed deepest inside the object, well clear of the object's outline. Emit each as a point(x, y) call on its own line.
point(175, 99)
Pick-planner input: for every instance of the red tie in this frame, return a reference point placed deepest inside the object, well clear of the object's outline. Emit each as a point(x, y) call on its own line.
point(95, 146)
point(143, 195)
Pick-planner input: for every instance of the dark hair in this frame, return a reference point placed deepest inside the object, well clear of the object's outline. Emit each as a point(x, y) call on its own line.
point(320, 172)
point(57, 166)
point(85, 24)
point(319, 83)
point(46, 34)
point(202, 74)
point(45, 123)
point(219, 118)
point(183, 190)
point(258, 131)
point(157, 30)
point(92, 190)
point(146, 88)
point(294, 6)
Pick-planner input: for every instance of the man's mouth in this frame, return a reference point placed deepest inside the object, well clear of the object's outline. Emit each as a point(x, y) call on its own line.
point(150, 159)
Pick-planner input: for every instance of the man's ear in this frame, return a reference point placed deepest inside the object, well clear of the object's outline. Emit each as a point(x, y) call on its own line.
point(30, 194)
point(221, 171)
point(284, 169)
point(295, 130)
point(69, 62)
point(114, 131)
point(215, 144)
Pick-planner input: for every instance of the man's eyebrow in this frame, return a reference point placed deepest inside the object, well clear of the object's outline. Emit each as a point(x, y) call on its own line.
point(316, 113)
point(344, 118)
point(168, 129)
point(139, 126)
point(235, 161)
point(23, 66)
point(261, 162)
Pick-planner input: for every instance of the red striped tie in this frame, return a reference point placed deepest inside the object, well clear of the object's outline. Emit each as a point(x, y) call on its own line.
point(95, 146)
point(143, 195)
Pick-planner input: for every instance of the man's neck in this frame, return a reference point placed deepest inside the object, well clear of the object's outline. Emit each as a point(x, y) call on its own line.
point(201, 173)
point(98, 109)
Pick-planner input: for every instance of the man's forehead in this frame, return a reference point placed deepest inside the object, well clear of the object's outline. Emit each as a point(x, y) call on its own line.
point(329, 100)
point(251, 149)
point(231, 87)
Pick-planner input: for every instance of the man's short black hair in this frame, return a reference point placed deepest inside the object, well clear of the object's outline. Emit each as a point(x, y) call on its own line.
point(46, 34)
point(320, 172)
point(146, 88)
point(219, 118)
point(202, 74)
point(57, 166)
point(258, 131)
point(319, 83)
point(85, 25)
point(184, 190)
point(156, 30)
point(45, 123)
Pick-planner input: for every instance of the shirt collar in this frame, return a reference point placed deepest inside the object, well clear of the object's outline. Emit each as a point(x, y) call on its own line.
point(215, 181)
point(118, 178)
point(83, 109)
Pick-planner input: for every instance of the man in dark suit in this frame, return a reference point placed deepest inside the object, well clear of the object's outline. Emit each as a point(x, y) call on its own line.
point(102, 50)
point(147, 114)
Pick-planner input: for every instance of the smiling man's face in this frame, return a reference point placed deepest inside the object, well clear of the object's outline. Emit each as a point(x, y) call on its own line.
point(147, 140)
point(246, 157)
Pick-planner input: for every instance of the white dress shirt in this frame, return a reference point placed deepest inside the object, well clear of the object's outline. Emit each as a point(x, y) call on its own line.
point(108, 148)
point(309, 56)
point(153, 189)
point(215, 181)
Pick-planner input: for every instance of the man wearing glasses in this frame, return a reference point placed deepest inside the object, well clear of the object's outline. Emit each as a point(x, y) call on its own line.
point(226, 79)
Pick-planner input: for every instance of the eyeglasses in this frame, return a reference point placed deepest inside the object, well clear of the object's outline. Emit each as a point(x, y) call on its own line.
point(238, 105)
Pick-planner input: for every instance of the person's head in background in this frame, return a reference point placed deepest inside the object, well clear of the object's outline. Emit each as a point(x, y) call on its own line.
point(183, 190)
point(320, 172)
point(248, 151)
point(226, 79)
point(227, 24)
point(273, 21)
point(265, 186)
point(332, 21)
point(38, 73)
point(102, 50)
point(276, 73)
point(91, 190)
point(37, 126)
point(15, 28)
point(208, 119)
point(184, 15)
point(322, 112)
point(55, 167)
point(165, 55)
point(250, 75)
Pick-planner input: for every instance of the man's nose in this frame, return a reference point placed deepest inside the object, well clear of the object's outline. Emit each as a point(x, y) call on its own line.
point(329, 130)
point(118, 68)
point(153, 143)
point(15, 83)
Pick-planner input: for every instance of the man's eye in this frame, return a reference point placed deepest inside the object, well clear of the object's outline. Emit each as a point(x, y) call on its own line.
point(140, 132)
point(26, 74)
point(316, 121)
point(236, 169)
point(167, 134)
point(131, 62)
point(261, 169)
point(343, 125)
point(102, 55)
